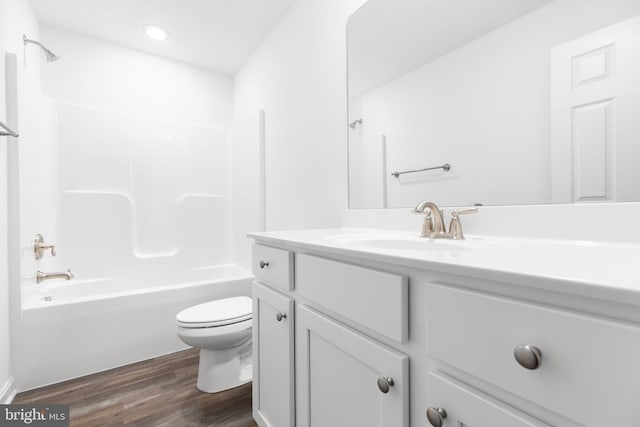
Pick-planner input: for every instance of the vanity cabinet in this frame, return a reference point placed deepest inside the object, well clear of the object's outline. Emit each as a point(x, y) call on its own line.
point(273, 358)
point(343, 376)
point(462, 351)
point(345, 379)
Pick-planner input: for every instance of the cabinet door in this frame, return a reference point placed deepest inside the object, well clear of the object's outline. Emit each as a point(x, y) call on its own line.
point(273, 363)
point(337, 376)
point(461, 406)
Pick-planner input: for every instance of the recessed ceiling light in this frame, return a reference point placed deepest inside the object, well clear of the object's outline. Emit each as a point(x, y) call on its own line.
point(156, 33)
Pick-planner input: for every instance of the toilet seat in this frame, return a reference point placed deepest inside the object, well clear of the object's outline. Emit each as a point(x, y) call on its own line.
point(216, 313)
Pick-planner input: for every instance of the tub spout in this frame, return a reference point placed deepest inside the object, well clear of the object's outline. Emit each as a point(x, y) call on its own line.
point(41, 277)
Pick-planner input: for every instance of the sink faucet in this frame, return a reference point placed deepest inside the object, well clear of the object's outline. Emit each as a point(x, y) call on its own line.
point(41, 277)
point(433, 225)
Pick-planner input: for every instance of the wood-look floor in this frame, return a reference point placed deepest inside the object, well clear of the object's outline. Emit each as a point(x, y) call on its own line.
point(155, 392)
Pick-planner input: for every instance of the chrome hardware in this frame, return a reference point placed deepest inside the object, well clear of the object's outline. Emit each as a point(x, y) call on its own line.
point(433, 225)
point(385, 383)
point(528, 356)
point(455, 213)
point(355, 123)
point(446, 167)
point(6, 131)
point(48, 54)
point(280, 316)
point(427, 224)
point(264, 264)
point(41, 277)
point(436, 416)
point(455, 227)
point(40, 247)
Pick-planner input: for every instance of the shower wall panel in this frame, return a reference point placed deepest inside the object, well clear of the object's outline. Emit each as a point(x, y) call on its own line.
point(138, 192)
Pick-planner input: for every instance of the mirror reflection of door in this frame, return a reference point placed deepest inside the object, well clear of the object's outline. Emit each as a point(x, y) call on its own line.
point(595, 131)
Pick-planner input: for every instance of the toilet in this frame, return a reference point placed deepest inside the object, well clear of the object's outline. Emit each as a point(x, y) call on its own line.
point(221, 329)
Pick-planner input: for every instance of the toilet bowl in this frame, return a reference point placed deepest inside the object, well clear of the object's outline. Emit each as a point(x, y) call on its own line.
point(221, 329)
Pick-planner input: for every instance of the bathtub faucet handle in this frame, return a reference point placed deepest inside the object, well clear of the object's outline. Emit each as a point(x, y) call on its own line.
point(40, 247)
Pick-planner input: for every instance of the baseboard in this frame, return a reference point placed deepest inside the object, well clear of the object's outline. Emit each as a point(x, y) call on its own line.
point(8, 392)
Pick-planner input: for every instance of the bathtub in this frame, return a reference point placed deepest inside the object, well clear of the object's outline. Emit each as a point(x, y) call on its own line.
point(79, 327)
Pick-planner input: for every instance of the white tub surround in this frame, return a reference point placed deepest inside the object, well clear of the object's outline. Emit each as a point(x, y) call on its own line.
point(369, 302)
point(80, 327)
point(8, 391)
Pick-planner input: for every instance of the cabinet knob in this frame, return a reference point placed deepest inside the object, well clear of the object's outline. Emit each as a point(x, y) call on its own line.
point(436, 416)
point(385, 383)
point(528, 356)
point(280, 316)
point(264, 264)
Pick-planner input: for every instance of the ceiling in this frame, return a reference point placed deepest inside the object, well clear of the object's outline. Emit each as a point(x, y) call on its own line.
point(219, 35)
point(388, 38)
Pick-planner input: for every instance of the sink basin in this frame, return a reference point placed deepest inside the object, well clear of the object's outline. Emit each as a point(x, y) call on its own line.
point(397, 242)
point(417, 244)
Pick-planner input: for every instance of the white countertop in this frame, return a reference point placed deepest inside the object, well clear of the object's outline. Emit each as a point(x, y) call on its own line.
point(607, 271)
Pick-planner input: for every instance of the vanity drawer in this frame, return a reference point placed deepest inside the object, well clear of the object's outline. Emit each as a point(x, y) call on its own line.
point(587, 363)
point(465, 406)
point(375, 299)
point(273, 266)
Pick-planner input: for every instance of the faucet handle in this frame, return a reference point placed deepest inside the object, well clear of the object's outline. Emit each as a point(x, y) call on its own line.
point(49, 247)
point(455, 227)
point(40, 247)
point(427, 224)
point(455, 213)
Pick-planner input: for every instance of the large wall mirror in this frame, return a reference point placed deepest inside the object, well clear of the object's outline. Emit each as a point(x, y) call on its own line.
point(504, 102)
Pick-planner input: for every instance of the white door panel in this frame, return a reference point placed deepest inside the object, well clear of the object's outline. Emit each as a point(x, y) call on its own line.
point(595, 132)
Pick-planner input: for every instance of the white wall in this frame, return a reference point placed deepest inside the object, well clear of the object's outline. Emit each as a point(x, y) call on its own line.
point(248, 184)
point(298, 76)
point(484, 108)
point(16, 19)
point(99, 74)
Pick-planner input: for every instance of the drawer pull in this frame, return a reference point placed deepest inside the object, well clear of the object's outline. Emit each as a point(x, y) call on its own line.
point(280, 316)
point(436, 416)
point(264, 264)
point(528, 356)
point(385, 383)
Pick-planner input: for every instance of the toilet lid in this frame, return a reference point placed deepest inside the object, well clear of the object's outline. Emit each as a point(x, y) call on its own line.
point(216, 313)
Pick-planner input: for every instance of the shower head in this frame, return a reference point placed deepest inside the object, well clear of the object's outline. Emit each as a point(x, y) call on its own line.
point(354, 123)
point(49, 55)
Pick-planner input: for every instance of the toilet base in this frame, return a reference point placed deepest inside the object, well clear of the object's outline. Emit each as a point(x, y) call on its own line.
point(221, 370)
